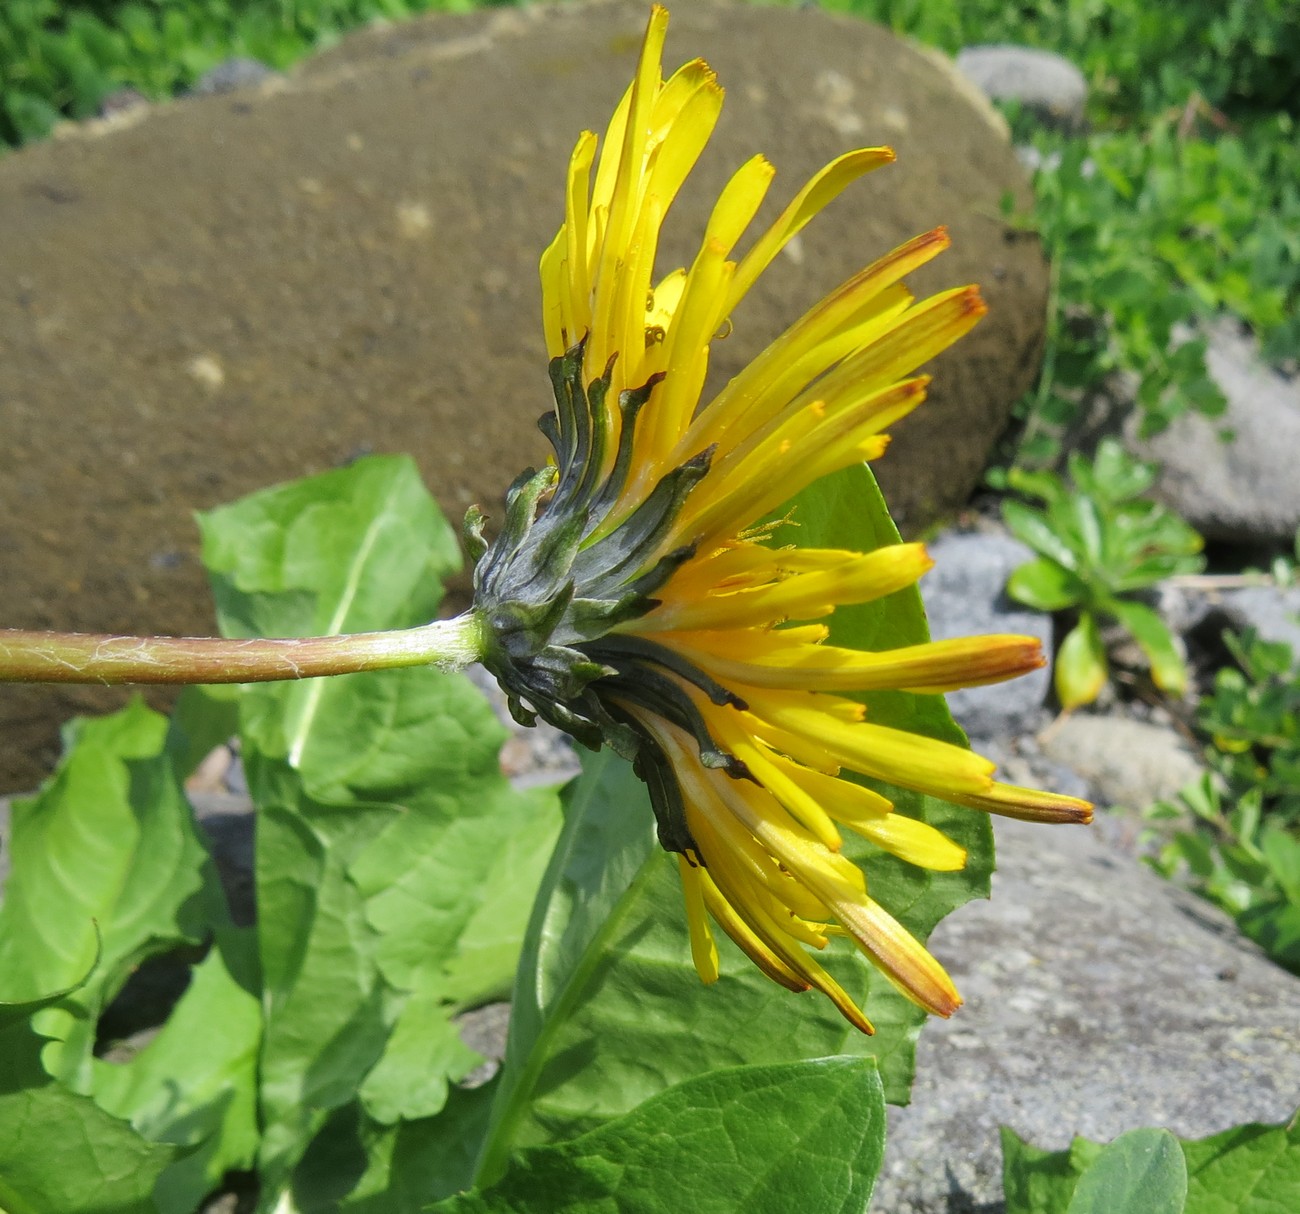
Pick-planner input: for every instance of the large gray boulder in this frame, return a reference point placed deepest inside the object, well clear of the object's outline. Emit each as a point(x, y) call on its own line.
point(205, 297)
point(1099, 998)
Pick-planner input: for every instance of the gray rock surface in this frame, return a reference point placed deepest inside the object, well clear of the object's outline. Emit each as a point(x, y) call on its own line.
point(964, 595)
point(233, 290)
point(1098, 999)
point(1047, 84)
point(1246, 491)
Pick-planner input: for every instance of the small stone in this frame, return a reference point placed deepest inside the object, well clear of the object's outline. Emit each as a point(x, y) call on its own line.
point(485, 1030)
point(1129, 763)
point(1272, 611)
point(1047, 84)
point(121, 101)
point(413, 220)
point(207, 370)
point(228, 822)
point(210, 774)
point(232, 75)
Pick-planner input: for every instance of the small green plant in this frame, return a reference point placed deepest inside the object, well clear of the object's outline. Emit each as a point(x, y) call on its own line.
point(1241, 858)
point(1150, 1171)
point(1238, 836)
point(1253, 721)
point(1098, 541)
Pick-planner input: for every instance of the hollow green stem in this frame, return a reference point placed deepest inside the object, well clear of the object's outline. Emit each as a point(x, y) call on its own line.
point(73, 657)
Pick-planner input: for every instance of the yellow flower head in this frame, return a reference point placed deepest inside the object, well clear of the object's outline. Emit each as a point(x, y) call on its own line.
point(635, 599)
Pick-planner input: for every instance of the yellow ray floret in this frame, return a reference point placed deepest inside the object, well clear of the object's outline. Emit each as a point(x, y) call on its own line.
point(856, 578)
point(779, 658)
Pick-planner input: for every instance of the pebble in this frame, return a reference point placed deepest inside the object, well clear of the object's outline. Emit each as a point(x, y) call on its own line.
point(1046, 84)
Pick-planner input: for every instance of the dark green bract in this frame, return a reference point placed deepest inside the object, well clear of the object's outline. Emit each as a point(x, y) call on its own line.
point(560, 576)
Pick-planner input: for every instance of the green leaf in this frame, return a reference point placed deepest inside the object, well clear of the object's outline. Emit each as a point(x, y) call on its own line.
point(1046, 586)
point(395, 864)
point(61, 1151)
point(1044, 486)
point(1032, 527)
point(1156, 642)
point(58, 1149)
point(1252, 1169)
point(450, 883)
point(1081, 668)
point(327, 1011)
point(1114, 475)
point(608, 1010)
point(408, 875)
point(412, 1162)
point(1080, 517)
point(364, 547)
point(1141, 1172)
point(107, 863)
point(1042, 1182)
point(804, 1136)
point(197, 1097)
point(423, 1055)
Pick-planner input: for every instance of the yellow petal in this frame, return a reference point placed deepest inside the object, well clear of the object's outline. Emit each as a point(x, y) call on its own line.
point(903, 960)
point(893, 755)
point(1028, 804)
point(608, 282)
point(577, 271)
point(839, 325)
point(777, 658)
point(808, 445)
point(704, 952)
point(771, 934)
point(739, 202)
point(820, 190)
point(920, 333)
point(685, 359)
point(770, 773)
point(861, 579)
point(901, 957)
point(724, 914)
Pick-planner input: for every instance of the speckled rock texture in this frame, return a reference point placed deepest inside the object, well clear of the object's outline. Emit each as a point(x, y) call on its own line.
point(1099, 998)
point(202, 298)
point(965, 595)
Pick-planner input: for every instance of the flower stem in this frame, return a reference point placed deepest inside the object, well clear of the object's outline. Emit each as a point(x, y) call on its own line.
point(73, 657)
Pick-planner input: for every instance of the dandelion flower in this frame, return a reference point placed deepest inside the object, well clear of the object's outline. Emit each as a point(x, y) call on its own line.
point(635, 598)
